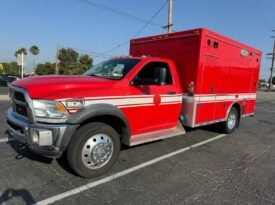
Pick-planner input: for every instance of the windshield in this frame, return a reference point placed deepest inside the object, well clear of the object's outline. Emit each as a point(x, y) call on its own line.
point(112, 69)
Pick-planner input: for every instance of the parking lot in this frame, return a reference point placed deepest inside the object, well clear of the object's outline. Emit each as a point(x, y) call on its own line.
point(201, 167)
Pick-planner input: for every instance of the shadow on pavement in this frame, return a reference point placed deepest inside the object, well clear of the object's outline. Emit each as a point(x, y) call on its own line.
point(23, 152)
point(216, 128)
point(22, 193)
point(62, 161)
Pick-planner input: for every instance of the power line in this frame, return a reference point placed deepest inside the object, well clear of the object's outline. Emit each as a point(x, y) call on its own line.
point(118, 12)
point(243, 17)
point(256, 13)
point(139, 31)
point(253, 13)
point(93, 53)
point(105, 54)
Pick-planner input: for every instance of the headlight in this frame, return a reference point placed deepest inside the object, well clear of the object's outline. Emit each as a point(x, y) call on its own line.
point(49, 109)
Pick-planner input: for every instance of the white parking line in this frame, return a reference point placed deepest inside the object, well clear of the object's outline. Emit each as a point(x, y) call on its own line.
point(122, 173)
point(6, 139)
point(261, 110)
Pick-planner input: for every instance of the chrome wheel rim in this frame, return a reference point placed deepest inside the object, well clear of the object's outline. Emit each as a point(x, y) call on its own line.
point(231, 122)
point(97, 151)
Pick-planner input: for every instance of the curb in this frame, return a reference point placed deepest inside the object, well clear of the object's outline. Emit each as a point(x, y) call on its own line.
point(4, 97)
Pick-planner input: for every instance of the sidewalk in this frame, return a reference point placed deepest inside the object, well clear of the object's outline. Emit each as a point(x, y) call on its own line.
point(4, 97)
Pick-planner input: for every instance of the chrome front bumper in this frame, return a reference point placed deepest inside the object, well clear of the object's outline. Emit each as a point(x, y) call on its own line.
point(49, 140)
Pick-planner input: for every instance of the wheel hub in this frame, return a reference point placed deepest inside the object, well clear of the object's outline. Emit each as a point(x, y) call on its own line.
point(97, 151)
point(100, 153)
point(231, 121)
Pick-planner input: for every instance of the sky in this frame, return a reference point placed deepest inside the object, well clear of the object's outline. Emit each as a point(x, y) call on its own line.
point(92, 30)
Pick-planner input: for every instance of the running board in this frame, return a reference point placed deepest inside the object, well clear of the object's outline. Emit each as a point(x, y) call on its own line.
point(157, 135)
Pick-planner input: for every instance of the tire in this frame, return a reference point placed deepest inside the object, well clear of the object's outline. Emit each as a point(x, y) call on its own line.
point(232, 121)
point(93, 150)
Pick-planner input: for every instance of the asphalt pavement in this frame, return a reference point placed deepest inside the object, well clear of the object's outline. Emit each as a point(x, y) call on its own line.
point(234, 169)
point(4, 90)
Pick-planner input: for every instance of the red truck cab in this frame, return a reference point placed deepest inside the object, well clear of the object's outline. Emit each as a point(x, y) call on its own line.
point(168, 81)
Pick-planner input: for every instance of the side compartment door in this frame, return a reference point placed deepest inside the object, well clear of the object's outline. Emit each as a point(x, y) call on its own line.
point(206, 102)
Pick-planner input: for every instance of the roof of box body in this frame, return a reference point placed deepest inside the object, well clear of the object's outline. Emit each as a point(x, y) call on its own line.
point(194, 32)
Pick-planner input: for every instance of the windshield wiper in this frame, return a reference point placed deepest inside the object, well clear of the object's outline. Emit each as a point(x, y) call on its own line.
point(99, 76)
point(105, 76)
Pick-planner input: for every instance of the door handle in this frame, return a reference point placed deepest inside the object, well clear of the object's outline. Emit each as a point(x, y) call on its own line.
point(171, 93)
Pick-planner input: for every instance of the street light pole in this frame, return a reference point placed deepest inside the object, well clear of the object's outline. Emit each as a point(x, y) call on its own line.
point(22, 65)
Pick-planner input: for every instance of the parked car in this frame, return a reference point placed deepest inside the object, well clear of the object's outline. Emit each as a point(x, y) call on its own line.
point(3, 79)
point(10, 79)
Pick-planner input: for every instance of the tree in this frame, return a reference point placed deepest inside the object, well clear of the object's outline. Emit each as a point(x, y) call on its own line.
point(1, 69)
point(86, 61)
point(34, 51)
point(75, 69)
point(71, 63)
point(11, 68)
point(67, 57)
point(20, 51)
point(46, 68)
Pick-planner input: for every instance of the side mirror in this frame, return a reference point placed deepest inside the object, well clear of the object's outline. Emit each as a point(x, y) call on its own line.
point(162, 76)
point(135, 82)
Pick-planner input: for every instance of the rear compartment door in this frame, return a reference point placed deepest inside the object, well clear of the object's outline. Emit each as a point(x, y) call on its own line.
point(207, 98)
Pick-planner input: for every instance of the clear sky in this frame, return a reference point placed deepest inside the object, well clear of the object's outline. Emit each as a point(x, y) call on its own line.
point(71, 23)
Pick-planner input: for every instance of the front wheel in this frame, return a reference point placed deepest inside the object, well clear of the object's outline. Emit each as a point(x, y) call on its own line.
point(93, 149)
point(232, 121)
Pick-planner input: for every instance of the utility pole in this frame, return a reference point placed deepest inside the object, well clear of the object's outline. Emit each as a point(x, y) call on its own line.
point(272, 64)
point(56, 60)
point(170, 16)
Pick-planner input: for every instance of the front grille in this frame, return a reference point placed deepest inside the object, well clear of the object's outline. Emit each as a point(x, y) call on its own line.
point(19, 96)
point(19, 103)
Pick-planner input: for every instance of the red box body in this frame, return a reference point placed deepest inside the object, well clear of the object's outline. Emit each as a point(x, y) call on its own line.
point(223, 71)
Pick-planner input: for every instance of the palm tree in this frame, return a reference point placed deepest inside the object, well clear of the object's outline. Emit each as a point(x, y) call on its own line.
point(20, 51)
point(34, 51)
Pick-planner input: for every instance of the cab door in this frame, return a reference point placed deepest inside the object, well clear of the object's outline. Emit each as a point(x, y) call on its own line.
point(159, 105)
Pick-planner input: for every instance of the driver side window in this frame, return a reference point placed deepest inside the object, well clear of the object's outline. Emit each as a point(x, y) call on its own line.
point(150, 74)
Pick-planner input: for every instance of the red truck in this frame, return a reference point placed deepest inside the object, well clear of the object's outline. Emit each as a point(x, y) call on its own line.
point(189, 78)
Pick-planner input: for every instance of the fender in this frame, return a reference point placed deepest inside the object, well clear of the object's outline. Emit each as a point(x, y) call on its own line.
point(90, 112)
point(95, 110)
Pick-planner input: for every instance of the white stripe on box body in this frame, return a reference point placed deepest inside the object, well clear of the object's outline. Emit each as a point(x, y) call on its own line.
point(194, 100)
point(228, 97)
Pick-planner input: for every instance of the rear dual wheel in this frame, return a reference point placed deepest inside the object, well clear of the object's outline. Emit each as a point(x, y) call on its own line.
point(93, 149)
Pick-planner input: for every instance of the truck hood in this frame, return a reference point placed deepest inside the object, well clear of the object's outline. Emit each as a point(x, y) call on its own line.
point(59, 87)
